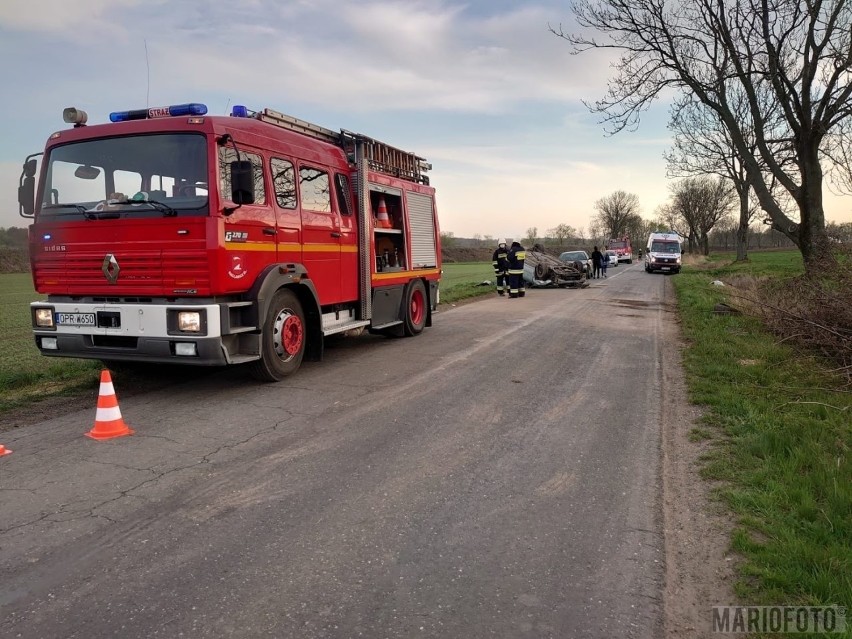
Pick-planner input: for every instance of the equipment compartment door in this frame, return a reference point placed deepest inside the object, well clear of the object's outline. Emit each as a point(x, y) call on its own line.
point(321, 234)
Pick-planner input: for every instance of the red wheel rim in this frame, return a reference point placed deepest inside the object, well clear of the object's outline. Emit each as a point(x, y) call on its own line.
point(292, 335)
point(417, 307)
point(288, 335)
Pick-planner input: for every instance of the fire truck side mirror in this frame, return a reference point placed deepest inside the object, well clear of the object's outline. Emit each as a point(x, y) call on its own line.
point(26, 189)
point(242, 182)
point(26, 197)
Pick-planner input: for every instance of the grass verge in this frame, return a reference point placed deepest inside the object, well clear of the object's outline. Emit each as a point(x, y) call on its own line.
point(463, 280)
point(781, 426)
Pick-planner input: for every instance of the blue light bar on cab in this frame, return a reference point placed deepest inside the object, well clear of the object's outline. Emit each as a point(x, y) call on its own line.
point(175, 110)
point(239, 111)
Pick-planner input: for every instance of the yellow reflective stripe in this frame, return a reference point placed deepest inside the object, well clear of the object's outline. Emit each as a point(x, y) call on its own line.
point(521, 255)
point(291, 246)
point(418, 272)
point(250, 246)
point(321, 248)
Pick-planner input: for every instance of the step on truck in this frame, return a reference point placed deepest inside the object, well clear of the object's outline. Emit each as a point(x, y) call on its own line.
point(172, 236)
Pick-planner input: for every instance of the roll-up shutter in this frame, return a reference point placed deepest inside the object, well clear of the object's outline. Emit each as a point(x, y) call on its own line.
point(422, 223)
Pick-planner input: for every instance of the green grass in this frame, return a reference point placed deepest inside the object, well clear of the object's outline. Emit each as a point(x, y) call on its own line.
point(462, 281)
point(782, 443)
point(24, 372)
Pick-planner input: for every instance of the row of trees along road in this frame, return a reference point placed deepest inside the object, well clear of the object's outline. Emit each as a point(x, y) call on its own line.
point(764, 86)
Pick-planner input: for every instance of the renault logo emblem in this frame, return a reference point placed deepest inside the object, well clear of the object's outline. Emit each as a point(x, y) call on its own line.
point(110, 268)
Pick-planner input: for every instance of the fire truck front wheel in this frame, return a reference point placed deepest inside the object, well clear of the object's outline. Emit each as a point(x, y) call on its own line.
point(416, 308)
point(284, 338)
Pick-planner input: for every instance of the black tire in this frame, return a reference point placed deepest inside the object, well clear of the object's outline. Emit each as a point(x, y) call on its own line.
point(416, 308)
point(283, 340)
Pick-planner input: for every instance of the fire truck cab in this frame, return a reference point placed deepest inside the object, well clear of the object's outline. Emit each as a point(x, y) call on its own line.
point(173, 236)
point(622, 248)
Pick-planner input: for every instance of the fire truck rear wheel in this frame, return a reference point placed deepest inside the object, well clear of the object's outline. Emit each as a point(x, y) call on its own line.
point(416, 308)
point(283, 340)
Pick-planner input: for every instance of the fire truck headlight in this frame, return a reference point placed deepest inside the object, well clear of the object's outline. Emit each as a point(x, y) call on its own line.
point(189, 321)
point(74, 116)
point(43, 318)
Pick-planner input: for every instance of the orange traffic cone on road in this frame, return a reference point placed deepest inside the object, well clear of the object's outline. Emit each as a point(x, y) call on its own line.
point(108, 421)
point(4, 451)
point(382, 219)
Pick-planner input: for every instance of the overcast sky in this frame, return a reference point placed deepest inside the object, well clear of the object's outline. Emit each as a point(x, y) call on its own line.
point(481, 89)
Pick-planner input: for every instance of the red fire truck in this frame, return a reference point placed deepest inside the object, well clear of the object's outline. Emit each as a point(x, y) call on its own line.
point(173, 236)
point(622, 248)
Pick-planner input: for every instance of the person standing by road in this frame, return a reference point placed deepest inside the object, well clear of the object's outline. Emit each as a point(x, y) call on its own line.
point(500, 262)
point(517, 255)
point(597, 260)
point(604, 262)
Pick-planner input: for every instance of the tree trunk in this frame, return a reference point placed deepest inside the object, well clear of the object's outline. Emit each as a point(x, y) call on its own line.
point(742, 229)
point(705, 244)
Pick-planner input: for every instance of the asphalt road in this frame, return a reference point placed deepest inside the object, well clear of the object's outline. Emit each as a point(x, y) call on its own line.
point(497, 476)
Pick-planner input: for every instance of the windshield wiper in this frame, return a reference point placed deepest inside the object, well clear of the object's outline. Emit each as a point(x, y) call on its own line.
point(160, 206)
point(80, 209)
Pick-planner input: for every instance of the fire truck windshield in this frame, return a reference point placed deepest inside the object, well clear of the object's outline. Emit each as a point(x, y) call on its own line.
point(130, 176)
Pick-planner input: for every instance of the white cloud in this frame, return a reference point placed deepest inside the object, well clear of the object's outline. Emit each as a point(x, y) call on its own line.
point(486, 94)
point(62, 18)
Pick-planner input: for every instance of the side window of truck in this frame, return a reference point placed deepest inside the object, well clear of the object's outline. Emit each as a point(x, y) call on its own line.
point(228, 155)
point(341, 185)
point(314, 188)
point(284, 182)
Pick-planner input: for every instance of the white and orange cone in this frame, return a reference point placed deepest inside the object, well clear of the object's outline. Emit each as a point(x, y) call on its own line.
point(108, 421)
point(4, 451)
point(383, 220)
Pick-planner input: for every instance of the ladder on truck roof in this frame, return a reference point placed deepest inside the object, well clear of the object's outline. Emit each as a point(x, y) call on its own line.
point(380, 156)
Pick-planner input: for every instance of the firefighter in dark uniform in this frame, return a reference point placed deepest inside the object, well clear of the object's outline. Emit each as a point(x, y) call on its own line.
point(500, 262)
point(516, 257)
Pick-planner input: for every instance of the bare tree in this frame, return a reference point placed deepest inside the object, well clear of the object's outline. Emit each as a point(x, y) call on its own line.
point(702, 146)
point(532, 235)
point(702, 202)
point(796, 51)
point(561, 233)
point(672, 220)
point(839, 151)
point(616, 211)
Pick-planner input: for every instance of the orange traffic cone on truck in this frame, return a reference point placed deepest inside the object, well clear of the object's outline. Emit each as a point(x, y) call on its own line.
point(108, 421)
point(382, 220)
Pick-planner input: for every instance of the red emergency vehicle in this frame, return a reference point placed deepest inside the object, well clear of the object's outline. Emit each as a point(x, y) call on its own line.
point(622, 248)
point(173, 236)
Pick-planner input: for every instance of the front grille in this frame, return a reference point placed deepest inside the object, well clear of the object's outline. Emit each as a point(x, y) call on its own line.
point(141, 274)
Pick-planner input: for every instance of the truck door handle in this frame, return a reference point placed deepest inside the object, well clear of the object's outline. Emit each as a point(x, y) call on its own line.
point(269, 231)
point(336, 234)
